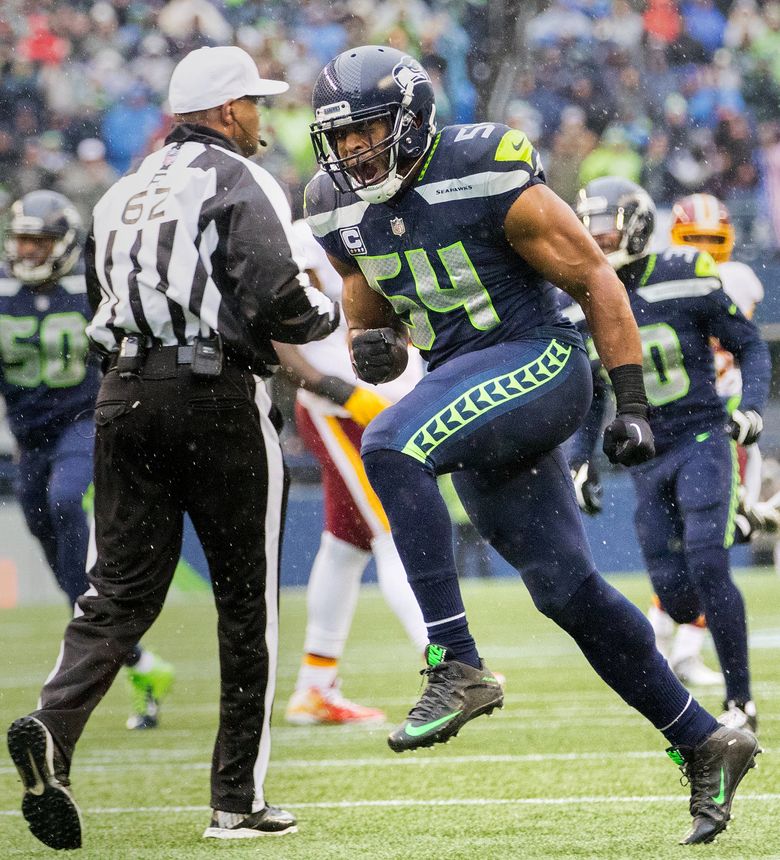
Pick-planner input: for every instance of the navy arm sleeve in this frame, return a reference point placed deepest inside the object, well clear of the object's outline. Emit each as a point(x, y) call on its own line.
point(741, 337)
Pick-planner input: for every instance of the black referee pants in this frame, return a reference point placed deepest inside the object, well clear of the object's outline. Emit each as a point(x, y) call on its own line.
point(163, 447)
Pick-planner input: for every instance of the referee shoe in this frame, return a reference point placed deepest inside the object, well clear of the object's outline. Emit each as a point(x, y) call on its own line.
point(47, 805)
point(269, 821)
point(455, 694)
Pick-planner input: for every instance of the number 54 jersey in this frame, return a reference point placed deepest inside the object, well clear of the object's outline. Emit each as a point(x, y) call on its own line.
point(678, 303)
point(438, 252)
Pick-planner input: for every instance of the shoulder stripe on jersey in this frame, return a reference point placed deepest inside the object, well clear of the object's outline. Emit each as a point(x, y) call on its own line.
point(686, 288)
point(74, 284)
point(345, 216)
point(485, 184)
point(9, 286)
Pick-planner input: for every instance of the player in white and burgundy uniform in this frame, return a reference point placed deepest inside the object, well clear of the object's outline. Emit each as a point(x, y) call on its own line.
point(331, 411)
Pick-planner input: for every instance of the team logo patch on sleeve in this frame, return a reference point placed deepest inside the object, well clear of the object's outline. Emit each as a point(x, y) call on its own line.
point(353, 240)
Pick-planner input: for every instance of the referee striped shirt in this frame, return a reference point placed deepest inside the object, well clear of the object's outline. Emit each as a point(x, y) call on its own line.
point(199, 239)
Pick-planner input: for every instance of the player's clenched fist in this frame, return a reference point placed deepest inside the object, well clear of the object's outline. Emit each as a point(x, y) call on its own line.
point(628, 440)
point(379, 355)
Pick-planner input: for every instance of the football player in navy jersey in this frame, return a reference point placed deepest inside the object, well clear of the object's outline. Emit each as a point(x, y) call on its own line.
point(49, 387)
point(449, 239)
point(687, 496)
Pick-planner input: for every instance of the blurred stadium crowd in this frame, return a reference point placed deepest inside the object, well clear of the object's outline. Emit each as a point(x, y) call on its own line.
point(680, 95)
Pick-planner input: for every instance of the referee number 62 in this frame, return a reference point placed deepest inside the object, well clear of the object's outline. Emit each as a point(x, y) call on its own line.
point(148, 204)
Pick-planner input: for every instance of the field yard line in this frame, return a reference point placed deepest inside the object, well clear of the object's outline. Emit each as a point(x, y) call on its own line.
point(425, 802)
point(96, 766)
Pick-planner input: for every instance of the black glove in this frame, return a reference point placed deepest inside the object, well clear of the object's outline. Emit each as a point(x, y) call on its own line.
point(745, 427)
point(587, 487)
point(628, 439)
point(379, 355)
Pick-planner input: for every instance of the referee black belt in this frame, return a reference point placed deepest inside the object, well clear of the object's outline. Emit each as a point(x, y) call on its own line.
point(159, 362)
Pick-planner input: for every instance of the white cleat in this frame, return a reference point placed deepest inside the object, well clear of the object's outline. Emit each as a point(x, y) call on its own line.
point(692, 671)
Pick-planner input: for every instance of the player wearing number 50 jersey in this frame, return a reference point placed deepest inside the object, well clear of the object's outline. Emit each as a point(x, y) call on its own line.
point(449, 239)
point(687, 495)
point(49, 387)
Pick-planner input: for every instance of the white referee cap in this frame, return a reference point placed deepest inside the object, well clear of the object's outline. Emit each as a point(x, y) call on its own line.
point(209, 77)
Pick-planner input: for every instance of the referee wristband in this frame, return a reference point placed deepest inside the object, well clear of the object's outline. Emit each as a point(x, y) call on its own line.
point(628, 383)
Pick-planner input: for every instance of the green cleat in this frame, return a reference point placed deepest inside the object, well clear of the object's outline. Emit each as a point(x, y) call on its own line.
point(147, 690)
point(714, 769)
point(455, 694)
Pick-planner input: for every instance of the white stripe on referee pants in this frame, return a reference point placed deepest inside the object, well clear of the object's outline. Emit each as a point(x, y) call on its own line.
point(273, 526)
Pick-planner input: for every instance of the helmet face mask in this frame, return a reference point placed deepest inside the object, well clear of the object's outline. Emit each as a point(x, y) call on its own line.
point(620, 208)
point(361, 86)
point(703, 221)
point(43, 215)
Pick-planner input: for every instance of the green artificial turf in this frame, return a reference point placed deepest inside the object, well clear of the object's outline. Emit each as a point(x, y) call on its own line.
point(566, 770)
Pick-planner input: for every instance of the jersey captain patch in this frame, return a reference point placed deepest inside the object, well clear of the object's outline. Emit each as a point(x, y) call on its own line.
point(353, 241)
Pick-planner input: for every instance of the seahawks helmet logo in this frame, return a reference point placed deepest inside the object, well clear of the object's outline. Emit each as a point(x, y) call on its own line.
point(407, 78)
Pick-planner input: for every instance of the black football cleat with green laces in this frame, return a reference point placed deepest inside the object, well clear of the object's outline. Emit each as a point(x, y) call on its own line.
point(714, 769)
point(455, 694)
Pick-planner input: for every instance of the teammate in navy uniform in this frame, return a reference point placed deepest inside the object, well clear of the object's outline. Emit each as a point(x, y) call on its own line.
point(687, 496)
point(49, 387)
point(449, 239)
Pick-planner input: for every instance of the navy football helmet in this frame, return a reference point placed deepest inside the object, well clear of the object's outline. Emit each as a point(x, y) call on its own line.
point(45, 215)
point(613, 204)
point(365, 84)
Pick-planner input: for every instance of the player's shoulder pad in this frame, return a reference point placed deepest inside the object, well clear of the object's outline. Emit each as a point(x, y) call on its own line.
point(327, 209)
point(680, 272)
point(74, 284)
point(9, 286)
point(489, 146)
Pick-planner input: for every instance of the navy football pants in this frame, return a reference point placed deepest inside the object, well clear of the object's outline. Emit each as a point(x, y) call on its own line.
point(496, 419)
point(686, 503)
point(52, 480)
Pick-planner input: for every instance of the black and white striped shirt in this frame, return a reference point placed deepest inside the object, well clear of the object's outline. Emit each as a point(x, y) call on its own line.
point(199, 239)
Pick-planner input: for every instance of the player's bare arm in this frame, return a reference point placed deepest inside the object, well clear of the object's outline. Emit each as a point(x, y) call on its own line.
point(377, 337)
point(547, 234)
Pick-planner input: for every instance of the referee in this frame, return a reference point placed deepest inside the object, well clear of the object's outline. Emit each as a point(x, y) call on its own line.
point(191, 273)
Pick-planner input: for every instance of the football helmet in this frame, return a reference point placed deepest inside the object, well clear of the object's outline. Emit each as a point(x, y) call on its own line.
point(364, 84)
point(613, 204)
point(46, 215)
point(703, 221)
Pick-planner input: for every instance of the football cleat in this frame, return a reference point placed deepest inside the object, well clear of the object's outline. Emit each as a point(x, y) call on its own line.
point(269, 821)
point(713, 770)
point(147, 690)
point(740, 715)
point(47, 806)
point(692, 671)
point(455, 694)
point(316, 706)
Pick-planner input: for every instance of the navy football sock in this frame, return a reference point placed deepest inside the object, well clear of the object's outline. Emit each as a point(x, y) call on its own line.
point(724, 609)
point(422, 531)
point(618, 642)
